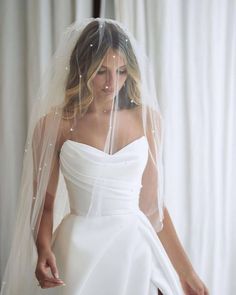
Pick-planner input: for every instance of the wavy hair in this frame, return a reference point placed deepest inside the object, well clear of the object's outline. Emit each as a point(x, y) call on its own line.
point(86, 58)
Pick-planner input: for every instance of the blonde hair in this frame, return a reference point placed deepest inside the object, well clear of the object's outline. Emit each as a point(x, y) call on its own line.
point(85, 63)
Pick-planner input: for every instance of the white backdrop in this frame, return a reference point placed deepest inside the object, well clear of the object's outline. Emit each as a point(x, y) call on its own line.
point(192, 45)
point(29, 33)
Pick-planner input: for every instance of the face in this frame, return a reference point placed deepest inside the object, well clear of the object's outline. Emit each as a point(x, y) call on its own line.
point(110, 77)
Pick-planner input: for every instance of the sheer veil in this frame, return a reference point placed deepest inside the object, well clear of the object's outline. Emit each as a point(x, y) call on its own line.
point(64, 111)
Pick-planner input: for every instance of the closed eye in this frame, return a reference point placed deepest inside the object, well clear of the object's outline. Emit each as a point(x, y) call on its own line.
point(119, 71)
point(122, 72)
point(101, 72)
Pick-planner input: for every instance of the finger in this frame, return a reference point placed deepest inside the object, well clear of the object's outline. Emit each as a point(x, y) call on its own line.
point(52, 280)
point(48, 284)
point(54, 270)
point(42, 275)
point(200, 291)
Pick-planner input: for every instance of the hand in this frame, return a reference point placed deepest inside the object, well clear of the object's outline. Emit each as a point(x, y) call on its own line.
point(192, 284)
point(46, 261)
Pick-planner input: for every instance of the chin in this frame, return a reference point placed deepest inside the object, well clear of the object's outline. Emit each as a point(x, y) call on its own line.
point(108, 95)
point(112, 96)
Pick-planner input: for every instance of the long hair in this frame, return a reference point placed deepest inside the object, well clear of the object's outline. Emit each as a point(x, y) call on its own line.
point(86, 59)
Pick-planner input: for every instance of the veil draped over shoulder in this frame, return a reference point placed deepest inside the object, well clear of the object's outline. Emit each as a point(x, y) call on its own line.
point(78, 81)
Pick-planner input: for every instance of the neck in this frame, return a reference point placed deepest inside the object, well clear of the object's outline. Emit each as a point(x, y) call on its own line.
point(100, 107)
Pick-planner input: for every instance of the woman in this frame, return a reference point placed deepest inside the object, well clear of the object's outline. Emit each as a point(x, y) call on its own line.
point(93, 165)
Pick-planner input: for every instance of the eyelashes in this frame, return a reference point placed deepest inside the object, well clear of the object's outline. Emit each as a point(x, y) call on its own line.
point(120, 72)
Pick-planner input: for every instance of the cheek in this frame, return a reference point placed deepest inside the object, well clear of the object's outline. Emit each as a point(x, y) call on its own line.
point(97, 82)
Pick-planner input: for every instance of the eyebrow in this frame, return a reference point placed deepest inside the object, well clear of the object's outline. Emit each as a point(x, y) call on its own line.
point(119, 67)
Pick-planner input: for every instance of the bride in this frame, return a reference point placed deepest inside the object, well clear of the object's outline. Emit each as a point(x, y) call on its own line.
point(92, 218)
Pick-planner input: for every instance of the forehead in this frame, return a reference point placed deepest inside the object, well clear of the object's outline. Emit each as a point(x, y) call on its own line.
point(113, 58)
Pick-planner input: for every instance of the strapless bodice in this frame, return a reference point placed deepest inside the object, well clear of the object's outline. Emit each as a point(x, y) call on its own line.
point(91, 248)
point(117, 177)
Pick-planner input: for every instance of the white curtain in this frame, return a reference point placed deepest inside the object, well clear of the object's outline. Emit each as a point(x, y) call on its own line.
point(192, 45)
point(29, 33)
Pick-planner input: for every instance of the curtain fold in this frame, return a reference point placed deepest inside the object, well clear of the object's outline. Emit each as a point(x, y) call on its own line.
point(192, 46)
point(30, 32)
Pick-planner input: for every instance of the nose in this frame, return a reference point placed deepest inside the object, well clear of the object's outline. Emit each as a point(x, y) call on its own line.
point(110, 81)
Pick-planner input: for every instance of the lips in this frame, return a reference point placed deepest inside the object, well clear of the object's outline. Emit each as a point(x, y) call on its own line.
point(108, 91)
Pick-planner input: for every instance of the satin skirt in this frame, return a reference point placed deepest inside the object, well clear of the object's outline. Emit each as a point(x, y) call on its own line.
point(114, 254)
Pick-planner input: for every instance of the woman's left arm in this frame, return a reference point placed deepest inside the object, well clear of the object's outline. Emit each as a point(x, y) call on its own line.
point(189, 279)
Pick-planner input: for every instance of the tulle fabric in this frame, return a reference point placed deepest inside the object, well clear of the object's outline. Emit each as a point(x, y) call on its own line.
point(62, 111)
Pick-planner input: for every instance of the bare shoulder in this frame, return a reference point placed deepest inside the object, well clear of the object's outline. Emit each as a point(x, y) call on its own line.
point(137, 112)
point(148, 112)
point(151, 117)
point(63, 132)
point(53, 126)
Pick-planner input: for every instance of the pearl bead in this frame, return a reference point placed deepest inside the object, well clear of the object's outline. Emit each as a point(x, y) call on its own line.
point(71, 129)
point(126, 40)
point(113, 56)
point(34, 198)
point(106, 87)
point(66, 68)
point(80, 76)
point(26, 150)
point(50, 144)
point(91, 45)
point(40, 168)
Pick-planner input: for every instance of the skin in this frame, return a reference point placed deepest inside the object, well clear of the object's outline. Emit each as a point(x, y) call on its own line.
point(108, 80)
point(190, 281)
point(110, 77)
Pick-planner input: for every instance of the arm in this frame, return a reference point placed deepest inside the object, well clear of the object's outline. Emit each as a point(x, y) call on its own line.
point(40, 151)
point(173, 247)
point(191, 283)
point(189, 279)
point(46, 258)
point(44, 236)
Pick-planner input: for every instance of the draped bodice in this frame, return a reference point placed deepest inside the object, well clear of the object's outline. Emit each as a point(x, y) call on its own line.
point(114, 178)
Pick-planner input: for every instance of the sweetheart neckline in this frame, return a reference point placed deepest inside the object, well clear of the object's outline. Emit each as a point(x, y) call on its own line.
point(98, 150)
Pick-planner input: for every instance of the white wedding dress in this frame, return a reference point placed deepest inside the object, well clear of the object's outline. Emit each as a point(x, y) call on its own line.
point(118, 253)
